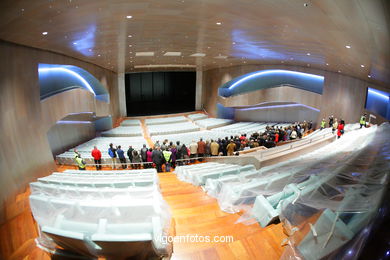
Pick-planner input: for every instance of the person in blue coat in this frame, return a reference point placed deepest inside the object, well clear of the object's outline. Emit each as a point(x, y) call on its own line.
point(121, 156)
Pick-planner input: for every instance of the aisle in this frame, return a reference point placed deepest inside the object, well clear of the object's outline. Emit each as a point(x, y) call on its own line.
point(194, 212)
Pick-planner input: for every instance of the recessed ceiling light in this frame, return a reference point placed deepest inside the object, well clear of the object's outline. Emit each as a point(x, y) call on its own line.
point(145, 53)
point(369, 76)
point(129, 16)
point(130, 36)
point(98, 55)
point(327, 64)
point(218, 23)
point(339, 71)
point(198, 54)
point(172, 53)
point(234, 42)
point(362, 66)
point(308, 54)
point(45, 33)
point(75, 43)
point(348, 46)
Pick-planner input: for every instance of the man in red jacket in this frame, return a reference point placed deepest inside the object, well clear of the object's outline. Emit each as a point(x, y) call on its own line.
point(97, 156)
point(201, 148)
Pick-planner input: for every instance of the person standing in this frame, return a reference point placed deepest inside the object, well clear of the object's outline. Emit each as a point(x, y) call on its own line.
point(340, 129)
point(136, 160)
point(112, 154)
point(184, 151)
point(201, 149)
point(193, 150)
point(130, 155)
point(168, 159)
point(276, 137)
point(122, 158)
point(97, 157)
point(144, 150)
point(75, 153)
point(149, 159)
point(80, 163)
point(230, 148)
point(158, 158)
point(331, 121)
point(363, 120)
point(214, 148)
point(323, 124)
point(179, 154)
point(335, 125)
point(173, 156)
point(207, 151)
point(293, 134)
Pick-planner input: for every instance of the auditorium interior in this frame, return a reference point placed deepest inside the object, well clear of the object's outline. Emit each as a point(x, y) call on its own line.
point(184, 129)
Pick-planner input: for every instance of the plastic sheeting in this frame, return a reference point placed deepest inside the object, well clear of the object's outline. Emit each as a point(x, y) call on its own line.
point(93, 221)
point(236, 194)
point(333, 219)
point(201, 174)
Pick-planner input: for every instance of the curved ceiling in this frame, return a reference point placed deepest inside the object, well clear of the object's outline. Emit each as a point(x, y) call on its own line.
point(55, 79)
point(350, 37)
point(270, 79)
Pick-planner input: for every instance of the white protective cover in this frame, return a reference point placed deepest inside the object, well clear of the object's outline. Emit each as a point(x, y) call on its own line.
point(94, 220)
point(333, 220)
point(235, 195)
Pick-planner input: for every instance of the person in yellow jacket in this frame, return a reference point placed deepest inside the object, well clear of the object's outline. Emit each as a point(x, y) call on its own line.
point(214, 148)
point(168, 159)
point(363, 120)
point(323, 122)
point(230, 148)
point(80, 162)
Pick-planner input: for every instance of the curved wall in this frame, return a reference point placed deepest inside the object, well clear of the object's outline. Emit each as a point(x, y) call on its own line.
point(343, 96)
point(25, 152)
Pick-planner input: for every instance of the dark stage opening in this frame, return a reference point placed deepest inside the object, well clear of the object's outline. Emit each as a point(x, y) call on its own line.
point(152, 93)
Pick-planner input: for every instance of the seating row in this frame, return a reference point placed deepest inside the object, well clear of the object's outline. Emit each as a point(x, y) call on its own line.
point(232, 194)
point(102, 213)
point(210, 123)
point(123, 131)
point(197, 116)
point(165, 120)
point(199, 174)
point(322, 218)
point(131, 122)
point(175, 128)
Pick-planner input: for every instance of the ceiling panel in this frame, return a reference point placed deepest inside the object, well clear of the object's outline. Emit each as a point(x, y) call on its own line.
point(248, 32)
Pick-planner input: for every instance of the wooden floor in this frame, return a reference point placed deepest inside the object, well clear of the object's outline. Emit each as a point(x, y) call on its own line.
point(193, 213)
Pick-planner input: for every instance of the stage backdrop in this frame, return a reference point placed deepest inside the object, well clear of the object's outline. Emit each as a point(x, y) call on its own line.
point(150, 93)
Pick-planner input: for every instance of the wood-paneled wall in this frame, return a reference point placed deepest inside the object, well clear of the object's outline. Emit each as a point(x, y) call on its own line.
point(343, 96)
point(24, 121)
point(65, 136)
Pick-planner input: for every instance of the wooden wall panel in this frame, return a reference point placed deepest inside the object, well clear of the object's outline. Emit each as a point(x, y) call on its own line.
point(65, 136)
point(25, 152)
point(343, 96)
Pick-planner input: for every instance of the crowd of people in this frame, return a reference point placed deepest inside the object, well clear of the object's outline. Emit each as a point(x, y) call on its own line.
point(170, 153)
point(336, 125)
